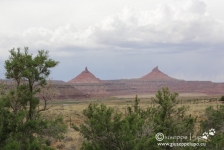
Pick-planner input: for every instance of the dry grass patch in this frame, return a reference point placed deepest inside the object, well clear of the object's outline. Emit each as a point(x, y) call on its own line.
point(72, 112)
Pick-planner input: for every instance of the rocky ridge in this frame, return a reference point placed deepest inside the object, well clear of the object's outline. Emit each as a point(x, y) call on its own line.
point(149, 83)
point(86, 85)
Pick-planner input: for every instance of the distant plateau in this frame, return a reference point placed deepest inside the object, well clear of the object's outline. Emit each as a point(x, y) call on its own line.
point(87, 85)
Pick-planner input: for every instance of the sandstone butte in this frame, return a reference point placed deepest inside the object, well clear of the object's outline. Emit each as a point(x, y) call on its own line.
point(157, 75)
point(88, 84)
point(85, 77)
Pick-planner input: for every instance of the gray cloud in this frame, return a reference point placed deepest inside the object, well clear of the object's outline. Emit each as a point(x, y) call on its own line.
point(166, 25)
point(181, 37)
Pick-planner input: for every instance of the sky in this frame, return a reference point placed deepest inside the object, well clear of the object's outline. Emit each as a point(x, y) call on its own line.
point(119, 39)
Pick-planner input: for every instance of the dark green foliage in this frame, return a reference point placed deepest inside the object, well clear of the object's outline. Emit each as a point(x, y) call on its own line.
point(21, 125)
point(169, 119)
point(106, 129)
point(222, 99)
point(27, 71)
point(214, 120)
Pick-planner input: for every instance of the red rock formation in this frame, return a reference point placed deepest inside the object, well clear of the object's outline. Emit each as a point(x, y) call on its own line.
point(85, 77)
point(87, 83)
point(157, 75)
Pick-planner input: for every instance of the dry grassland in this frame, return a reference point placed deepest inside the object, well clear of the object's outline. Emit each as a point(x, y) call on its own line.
point(71, 110)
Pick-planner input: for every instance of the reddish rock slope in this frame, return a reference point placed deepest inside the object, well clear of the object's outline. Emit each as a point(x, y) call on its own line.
point(85, 77)
point(157, 75)
point(87, 83)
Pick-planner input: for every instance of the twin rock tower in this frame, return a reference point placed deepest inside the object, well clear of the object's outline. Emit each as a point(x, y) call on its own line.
point(150, 83)
point(87, 77)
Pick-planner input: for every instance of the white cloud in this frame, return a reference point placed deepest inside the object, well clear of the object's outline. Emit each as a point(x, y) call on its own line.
point(139, 33)
point(183, 22)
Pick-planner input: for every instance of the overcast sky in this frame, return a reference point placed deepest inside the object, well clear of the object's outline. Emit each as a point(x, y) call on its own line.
point(119, 39)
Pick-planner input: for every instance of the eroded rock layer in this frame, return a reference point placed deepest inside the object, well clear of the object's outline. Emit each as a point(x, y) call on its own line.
point(149, 83)
point(126, 87)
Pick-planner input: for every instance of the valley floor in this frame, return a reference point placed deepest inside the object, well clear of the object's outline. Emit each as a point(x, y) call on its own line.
point(71, 110)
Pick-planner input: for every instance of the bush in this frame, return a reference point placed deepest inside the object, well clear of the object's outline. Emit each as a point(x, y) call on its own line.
point(170, 119)
point(222, 99)
point(214, 120)
point(106, 129)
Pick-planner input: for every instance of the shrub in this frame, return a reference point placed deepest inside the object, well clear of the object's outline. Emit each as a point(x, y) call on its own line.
point(170, 119)
point(214, 120)
point(106, 129)
point(222, 99)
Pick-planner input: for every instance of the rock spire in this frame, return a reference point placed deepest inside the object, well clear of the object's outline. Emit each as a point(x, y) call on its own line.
point(85, 77)
point(157, 75)
point(86, 69)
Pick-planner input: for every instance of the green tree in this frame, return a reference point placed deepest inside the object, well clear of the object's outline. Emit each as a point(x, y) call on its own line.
point(214, 120)
point(170, 119)
point(21, 126)
point(106, 129)
point(222, 99)
point(28, 71)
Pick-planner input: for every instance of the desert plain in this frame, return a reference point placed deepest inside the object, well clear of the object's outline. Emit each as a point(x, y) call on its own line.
point(74, 96)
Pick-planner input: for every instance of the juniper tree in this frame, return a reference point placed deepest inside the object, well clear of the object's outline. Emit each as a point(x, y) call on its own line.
point(105, 128)
point(21, 125)
point(214, 120)
point(170, 119)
